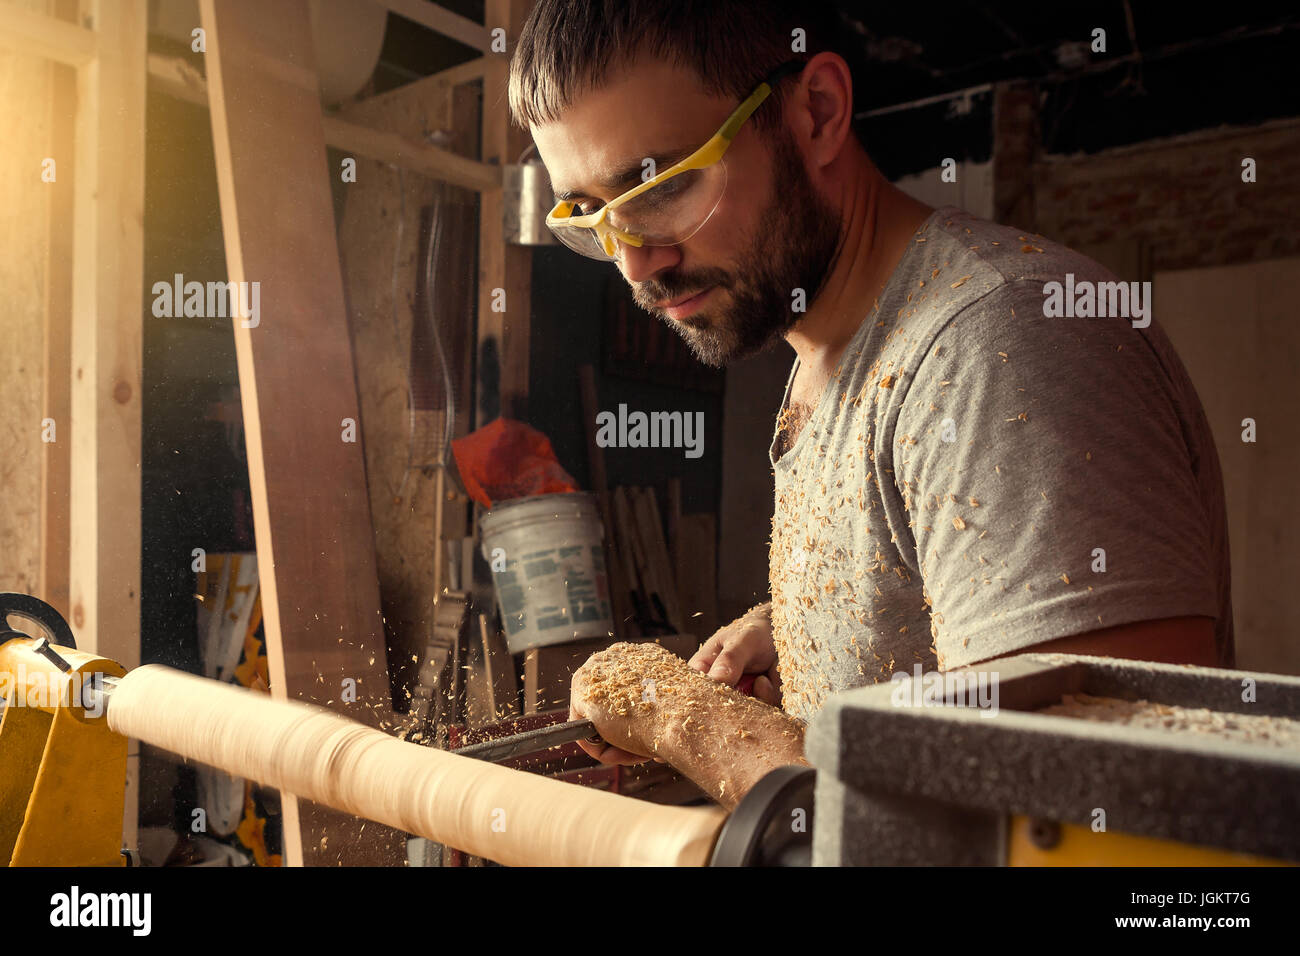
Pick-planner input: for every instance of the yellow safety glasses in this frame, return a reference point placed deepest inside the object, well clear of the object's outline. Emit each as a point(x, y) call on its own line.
point(668, 208)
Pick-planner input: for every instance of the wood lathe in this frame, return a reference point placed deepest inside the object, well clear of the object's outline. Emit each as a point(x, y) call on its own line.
point(951, 787)
point(69, 714)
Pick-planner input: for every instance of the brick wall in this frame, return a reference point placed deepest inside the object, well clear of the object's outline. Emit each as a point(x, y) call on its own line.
point(1181, 198)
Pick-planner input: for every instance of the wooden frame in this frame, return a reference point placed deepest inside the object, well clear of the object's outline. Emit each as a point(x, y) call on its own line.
point(56, 464)
point(107, 349)
point(441, 20)
point(47, 36)
point(175, 77)
point(93, 483)
point(506, 334)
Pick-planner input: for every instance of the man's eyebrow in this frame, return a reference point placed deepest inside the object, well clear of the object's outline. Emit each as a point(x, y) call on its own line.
point(627, 175)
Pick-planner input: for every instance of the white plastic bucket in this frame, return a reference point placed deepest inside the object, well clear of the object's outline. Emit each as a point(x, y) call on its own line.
point(548, 567)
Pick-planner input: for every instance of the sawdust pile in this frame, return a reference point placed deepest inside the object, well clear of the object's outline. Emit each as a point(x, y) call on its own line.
point(1229, 727)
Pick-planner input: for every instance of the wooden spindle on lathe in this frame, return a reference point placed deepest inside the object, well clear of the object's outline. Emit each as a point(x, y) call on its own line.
point(506, 815)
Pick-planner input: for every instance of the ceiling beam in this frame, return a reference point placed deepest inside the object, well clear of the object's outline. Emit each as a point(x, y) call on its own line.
point(440, 20)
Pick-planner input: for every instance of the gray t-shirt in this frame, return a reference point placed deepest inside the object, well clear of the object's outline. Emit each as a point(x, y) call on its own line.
point(978, 477)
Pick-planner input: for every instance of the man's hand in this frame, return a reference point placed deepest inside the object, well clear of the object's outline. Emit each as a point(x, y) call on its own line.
point(743, 647)
point(613, 727)
point(644, 699)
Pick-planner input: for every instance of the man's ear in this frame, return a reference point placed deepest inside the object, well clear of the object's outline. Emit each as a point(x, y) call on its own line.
point(822, 106)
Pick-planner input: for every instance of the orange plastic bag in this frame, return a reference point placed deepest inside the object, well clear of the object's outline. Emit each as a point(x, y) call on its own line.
point(507, 459)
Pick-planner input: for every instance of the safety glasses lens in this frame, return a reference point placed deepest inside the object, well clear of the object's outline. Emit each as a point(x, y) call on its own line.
point(675, 209)
point(670, 212)
point(584, 241)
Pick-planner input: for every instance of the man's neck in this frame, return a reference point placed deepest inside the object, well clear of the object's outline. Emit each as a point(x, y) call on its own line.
point(879, 220)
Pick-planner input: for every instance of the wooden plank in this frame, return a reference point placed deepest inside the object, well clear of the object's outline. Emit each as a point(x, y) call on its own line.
point(625, 538)
point(645, 511)
point(465, 106)
point(616, 574)
point(501, 669)
point(177, 77)
point(466, 72)
point(440, 20)
point(695, 562)
point(56, 461)
point(425, 89)
point(674, 516)
point(107, 337)
point(417, 157)
point(632, 549)
point(479, 705)
point(491, 691)
point(315, 542)
point(505, 280)
point(25, 31)
point(663, 557)
point(28, 228)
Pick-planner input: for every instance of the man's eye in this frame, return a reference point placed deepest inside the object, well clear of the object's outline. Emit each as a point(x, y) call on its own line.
point(586, 209)
point(672, 187)
point(669, 191)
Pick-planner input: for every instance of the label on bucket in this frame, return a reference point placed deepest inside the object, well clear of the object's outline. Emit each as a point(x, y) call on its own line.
point(561, 587)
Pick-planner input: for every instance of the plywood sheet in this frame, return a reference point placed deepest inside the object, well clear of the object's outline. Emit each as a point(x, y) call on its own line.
point(315, 541)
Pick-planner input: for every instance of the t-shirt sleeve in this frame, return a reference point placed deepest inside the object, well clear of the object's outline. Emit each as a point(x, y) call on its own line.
point(1042, 483)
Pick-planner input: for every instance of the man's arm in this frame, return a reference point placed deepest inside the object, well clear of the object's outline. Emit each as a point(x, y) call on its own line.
point(726, 750)
point(1170, 640)
point(646, 700)
point(1069, 502)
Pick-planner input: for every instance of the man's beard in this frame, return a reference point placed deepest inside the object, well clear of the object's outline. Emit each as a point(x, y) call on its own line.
point(793, 246)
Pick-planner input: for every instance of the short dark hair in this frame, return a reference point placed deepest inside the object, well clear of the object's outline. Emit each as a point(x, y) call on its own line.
point(570, 46)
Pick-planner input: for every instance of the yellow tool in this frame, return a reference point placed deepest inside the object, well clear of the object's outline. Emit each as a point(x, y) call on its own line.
point(62, 786)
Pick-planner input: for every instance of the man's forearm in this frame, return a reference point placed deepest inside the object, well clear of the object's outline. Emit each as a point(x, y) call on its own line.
point(724, 745)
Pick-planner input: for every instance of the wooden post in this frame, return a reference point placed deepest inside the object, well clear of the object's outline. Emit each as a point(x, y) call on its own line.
point(315, 542)
point(505, 279)
point(106, 338)
point(56, 470)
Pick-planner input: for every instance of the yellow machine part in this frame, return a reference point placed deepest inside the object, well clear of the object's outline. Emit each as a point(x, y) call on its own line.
point(1080, 846)
point(62, 793)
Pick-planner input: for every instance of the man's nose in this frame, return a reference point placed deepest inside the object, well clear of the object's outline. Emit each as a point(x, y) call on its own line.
point(641, 263)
